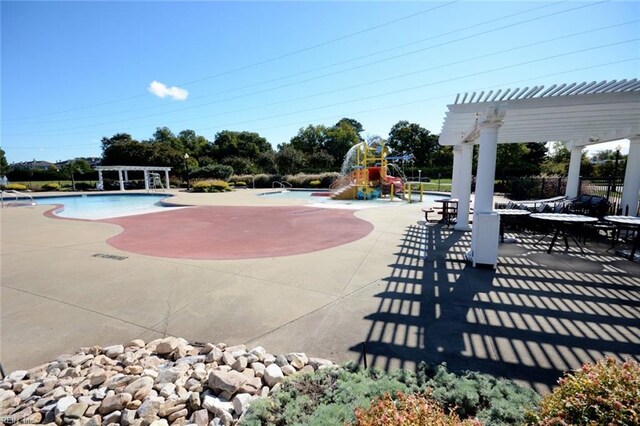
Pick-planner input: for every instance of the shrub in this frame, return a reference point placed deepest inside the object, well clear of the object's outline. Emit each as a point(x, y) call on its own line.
point(16, 187)
point(472, 394)
point(407, 410)
point(51, 186)
point(601, 394)
point(326, 397)
point(240, 183)
point(314, 183)
point(210, 186)
point(213, 171)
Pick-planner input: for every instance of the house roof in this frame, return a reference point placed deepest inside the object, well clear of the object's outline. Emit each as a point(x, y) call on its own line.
point(584, 114)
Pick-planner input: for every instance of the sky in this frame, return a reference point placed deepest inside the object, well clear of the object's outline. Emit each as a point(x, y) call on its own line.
point(75, 72)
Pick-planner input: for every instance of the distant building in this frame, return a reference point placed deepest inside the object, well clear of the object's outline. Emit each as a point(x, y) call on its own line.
point(33, 165)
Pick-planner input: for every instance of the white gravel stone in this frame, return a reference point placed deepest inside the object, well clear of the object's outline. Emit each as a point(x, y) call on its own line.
point(273, 375)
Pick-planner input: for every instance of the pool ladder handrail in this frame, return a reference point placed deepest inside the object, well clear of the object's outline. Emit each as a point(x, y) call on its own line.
point(16, 194)
point(281, 184)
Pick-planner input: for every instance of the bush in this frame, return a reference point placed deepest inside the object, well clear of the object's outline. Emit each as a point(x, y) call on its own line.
point(16, 187)
point(601, 394)
point(406, 410)
point(210, 186)
point(329, 397)
point(314, 183)
point(213, 171)
point(472, 394)
point(326, 397)
point(51, 186)
point(240, 184)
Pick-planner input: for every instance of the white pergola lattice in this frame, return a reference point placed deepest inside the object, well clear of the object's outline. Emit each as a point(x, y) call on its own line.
point(576, 114)
point(123, 174)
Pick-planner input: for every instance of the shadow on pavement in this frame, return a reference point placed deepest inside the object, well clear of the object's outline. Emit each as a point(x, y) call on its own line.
point(534, 317)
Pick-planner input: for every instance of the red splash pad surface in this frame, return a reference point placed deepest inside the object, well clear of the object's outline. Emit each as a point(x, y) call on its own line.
point(222, 233)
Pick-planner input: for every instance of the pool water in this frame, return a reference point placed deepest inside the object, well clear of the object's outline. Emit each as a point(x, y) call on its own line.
point(94, 207)
point(428, 199)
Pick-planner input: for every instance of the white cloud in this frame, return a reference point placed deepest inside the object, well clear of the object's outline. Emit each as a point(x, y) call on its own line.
point(161, 90)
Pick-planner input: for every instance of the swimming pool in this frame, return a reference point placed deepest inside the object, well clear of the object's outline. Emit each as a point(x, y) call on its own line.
point(312, 197)
point(93, 207)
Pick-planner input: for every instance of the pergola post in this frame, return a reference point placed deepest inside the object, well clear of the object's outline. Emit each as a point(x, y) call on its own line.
point(100, 181)
point(126, 175)
point(146, 180)
point(166, 179)
point(486, 222)
point(455, 175)
point(464, 187)
point(573, 177)
point(631, 185)
point(120, 178)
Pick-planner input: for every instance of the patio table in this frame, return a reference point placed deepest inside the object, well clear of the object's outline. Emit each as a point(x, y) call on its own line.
point(563, 221)
point(449, 209)
point(630, 222)
point(509, 213)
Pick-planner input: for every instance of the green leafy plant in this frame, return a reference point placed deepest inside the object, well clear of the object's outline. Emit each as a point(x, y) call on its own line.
point(472, 394)
point(211, 186)
point(16, 187)
point(329, 397)
point(607, 393)
point(240, 184)
point(314, 183)
point(407, 410)
point(51, 186)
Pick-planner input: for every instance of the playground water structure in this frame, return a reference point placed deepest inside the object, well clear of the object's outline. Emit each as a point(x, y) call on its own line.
point(365, 175)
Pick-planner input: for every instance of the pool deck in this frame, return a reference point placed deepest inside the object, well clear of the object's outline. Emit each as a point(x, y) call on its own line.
point(64, 286)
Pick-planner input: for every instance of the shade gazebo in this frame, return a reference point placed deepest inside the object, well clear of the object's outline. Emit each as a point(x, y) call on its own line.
point(576, 114)
point(123, 173)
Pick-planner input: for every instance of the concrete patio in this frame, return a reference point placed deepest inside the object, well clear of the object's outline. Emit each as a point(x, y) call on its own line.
point(533, 317)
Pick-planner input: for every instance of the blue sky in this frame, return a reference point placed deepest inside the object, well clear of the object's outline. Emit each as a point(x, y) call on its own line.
point(74, 72)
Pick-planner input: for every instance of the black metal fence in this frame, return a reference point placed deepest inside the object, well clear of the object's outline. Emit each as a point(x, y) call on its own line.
point(541, 187)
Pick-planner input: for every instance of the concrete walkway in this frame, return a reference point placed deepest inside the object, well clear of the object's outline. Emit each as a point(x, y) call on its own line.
point(64, 286)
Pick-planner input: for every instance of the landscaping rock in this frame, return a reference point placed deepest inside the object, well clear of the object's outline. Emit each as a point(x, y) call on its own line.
point(166, 381)
point(273, 375)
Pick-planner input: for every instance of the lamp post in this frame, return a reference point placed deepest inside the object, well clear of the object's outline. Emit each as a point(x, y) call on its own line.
point(186, 170)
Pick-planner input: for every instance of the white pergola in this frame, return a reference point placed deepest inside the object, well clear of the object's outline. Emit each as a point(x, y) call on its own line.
point(576, 114)
point(123, 173)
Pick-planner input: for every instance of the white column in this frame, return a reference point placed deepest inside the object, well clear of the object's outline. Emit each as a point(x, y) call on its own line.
point(488, 142)
point(455, 175)
point(100, 180)
point(631, 183)
point(573, 177)
point(464, 187)
point(486, 222)
point(126, 176)
point(146, 180)
point(166, 179)
point(120, 178)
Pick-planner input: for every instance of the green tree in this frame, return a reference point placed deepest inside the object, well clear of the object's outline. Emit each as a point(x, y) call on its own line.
point(229, 143)
point(357, 126)
point(73, 167)
point(194, 145)
point(289, 160)
point(4, 165)
point(122, 149)
point(310, 139)
point(405, 137)
point(339, 139)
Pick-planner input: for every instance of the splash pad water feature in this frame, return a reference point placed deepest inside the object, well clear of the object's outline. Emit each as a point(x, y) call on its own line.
point(365, 175)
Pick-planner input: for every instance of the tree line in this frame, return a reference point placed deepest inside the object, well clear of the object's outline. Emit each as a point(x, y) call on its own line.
point(314, 149)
